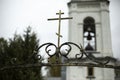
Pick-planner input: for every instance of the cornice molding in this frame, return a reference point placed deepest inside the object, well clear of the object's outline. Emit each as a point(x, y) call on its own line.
point(79, 1)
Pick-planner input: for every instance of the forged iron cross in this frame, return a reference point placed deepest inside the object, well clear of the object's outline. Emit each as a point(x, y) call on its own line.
point(59, 25)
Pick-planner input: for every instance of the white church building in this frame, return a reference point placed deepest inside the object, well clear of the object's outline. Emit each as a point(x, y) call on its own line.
point(89, 27)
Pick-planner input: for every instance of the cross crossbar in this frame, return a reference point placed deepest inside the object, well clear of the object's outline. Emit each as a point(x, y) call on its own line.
point(61, 18)
point(59, 25)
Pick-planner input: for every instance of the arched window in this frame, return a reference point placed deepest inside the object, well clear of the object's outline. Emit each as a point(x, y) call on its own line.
point(89, 34)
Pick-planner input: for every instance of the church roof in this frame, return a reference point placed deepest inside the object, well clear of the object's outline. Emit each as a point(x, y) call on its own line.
point(79, 1)
point(89, 0)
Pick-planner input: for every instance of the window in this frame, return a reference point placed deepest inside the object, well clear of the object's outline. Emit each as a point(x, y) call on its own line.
point(90, 71)
point(89, 34)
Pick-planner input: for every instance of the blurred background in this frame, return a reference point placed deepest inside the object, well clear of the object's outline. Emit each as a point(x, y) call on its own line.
point(17, 15)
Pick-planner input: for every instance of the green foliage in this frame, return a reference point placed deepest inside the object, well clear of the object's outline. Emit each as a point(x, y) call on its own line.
point(18, 51)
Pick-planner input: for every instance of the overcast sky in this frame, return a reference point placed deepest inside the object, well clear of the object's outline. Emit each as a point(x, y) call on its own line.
point(16, 15)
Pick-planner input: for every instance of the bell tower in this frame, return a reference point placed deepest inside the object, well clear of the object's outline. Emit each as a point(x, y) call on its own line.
point(90, 27)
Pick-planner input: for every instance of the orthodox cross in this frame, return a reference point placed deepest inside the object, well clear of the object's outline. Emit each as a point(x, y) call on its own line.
point(59, 24)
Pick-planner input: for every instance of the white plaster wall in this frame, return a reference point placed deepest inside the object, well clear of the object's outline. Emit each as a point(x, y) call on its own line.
point(76, 73)
point(109, 74)
point(106, 32)
point(103, 36)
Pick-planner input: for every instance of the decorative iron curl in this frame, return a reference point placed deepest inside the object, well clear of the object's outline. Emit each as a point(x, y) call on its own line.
point(47, 50)
point(68, 50)
point(94, 59)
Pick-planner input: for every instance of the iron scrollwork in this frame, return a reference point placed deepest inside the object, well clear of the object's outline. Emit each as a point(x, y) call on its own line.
point(65, 50)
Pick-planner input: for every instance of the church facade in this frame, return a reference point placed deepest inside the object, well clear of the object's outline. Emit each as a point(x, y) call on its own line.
point(91, 28)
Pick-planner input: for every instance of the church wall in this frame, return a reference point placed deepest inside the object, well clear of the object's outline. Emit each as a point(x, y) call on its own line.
point(98, 72)
point(100, 13)
point(76, 30)
point(109, 74)
point(76, 73)
point(106, 35)
point(101, 16)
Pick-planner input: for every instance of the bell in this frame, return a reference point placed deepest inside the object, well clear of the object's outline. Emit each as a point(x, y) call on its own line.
point(89, 47)
point(89, 37)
